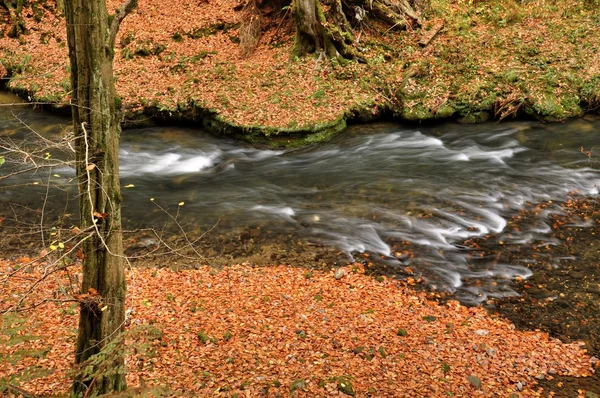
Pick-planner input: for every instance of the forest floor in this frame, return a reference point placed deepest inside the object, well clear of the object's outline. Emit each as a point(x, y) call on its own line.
point(182, 62)
point(244, 331)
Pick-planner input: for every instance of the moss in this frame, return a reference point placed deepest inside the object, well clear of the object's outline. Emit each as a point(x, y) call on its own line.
point(275, 138)
point(589, 93)
point(444, 112)
point(414, 113)
point(475, 117)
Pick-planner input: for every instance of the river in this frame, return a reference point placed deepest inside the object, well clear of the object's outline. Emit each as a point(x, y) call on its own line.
point(408, 196)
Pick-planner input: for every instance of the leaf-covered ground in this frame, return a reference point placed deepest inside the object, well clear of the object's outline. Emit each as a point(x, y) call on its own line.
point(266, 331)
point(492, 59)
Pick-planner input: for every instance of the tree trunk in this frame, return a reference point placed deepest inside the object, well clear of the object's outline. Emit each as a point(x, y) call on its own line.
point(316, 33)
point(322, 25)
point(90, 40)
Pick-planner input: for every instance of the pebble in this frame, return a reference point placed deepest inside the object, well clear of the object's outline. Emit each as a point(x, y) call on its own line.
point(593, 289)
point(339, 273)
point(519, 386)
point(482, 332)
point(576, 275)
point(562, 303)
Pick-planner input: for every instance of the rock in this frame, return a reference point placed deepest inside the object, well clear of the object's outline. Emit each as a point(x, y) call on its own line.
point(339, 273)
point(540, 376)
point(229, 248)
point(562, 303)
point(519, 386)
point(593, 289)
point(491, 352)
point(577, 274)
point(474, 380)
point(482, 332)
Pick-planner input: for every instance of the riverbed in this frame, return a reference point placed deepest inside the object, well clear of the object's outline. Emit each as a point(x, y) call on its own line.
point(407, 197)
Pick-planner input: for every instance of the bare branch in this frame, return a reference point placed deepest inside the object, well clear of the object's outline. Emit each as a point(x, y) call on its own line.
point(126, 8)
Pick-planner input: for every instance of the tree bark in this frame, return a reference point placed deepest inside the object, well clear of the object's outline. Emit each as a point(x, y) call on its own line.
point(319, 32)
point(96, 118)
point(322, 25)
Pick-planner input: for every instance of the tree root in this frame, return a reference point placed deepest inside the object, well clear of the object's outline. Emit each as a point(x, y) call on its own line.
point(322, 26)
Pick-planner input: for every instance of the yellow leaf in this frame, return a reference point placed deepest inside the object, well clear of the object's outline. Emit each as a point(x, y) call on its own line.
point(181, 203)
point(61, 245)
point(90, 166)
point(129, 186)
point(53, 248)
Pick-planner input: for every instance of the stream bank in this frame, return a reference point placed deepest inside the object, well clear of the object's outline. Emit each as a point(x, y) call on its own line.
point(534, 60)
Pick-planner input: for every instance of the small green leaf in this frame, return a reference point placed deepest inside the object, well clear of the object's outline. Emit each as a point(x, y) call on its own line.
point(203, 336)
point(401, 332)
point(445, 367)
point(2, 160)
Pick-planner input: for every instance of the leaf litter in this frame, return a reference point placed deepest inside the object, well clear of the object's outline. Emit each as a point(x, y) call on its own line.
point(267, 331)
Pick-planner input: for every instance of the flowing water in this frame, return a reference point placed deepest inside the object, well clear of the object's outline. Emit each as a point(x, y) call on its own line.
point(408, 196)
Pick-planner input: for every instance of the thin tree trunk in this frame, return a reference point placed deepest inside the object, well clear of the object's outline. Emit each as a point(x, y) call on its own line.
point(96, 125)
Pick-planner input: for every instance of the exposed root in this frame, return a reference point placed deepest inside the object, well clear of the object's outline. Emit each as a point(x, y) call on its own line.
point(508, 107)
point(323, 25)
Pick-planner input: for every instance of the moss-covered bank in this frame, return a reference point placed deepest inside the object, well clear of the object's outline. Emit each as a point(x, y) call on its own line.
point(491, 61)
